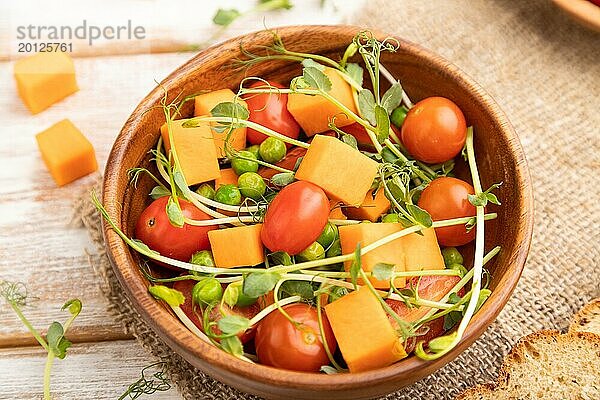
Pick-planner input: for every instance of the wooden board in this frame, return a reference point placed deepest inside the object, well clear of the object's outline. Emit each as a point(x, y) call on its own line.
point(90, 371)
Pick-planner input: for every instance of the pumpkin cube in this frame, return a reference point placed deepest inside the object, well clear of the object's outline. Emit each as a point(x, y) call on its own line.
point(371, 208)
point(237, 247)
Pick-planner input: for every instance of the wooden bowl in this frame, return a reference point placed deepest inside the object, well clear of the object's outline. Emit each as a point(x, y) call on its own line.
point(422, 73)
point(583, 11)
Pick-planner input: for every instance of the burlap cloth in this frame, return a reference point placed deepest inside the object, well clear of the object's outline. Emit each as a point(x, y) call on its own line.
point(544, 71)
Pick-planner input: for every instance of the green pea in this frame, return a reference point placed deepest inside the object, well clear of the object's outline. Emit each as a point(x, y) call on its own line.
point(244, 300)
point(229, 194)
point(207, 291)
point(337, 292)
point(398, 116)
point(206, 190)
point(335, 249)
point(390, 218)
point(460, 268)
point(203, 257)
point(252, 185)
point(313, 252)
point(272, 150)
point(254, 149)
point(329, 234)
point(243, 162)
point(452, 256)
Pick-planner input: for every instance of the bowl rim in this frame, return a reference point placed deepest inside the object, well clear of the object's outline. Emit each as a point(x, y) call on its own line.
point(177, 335)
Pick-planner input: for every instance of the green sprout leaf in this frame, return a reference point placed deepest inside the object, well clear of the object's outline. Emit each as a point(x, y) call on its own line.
point(484, 294)
point(232, 110)
point(392, 97)
point(350, 141)
point(233, 324)
point(74, 307)
point(233, 345)
point(383, 271)
point(481, 199)
point(316, 79)
point(303, 289)
point(56, 340)
point(144, 247)
point(172, 297)
point(282, 179)
point(356, 266)
point(366, 105)
point(309, 62)
point(231, 294)
point(259, 283)
point(441, 343)
point(355, 72)
point(382, 120)
point(180, 181)
point(350, 52)
point(420, 215)
point(225, 17)
point(280, 258)
point(174, 213)
point(159, 191)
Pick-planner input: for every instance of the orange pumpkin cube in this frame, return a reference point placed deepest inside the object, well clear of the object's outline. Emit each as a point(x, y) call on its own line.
point(204, 103)
point(68, 154)
point(371, 208)
point(343, 172)
point(363, 331)
point(195, 150)
point(45, 78)
point(237, 247)
point(313, 113)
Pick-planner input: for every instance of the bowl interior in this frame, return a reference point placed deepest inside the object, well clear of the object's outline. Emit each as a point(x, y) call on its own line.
point(499, 157)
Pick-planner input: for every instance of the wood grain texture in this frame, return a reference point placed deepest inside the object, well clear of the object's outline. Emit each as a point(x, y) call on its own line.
point(91, 371)
point(52, 260)
point(500, 158)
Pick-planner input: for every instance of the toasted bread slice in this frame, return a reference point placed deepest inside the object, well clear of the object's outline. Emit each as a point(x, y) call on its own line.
point(546, 365)
point(587, 319)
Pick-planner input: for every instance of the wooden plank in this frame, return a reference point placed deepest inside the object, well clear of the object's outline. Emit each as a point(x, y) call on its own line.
point(90, 371)
point(53, 261)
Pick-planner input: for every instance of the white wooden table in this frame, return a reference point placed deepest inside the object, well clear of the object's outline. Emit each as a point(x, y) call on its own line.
point(37, 245)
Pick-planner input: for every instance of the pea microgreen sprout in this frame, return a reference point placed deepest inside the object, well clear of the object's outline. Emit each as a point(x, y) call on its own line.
point(55, 342)
point(157, 382)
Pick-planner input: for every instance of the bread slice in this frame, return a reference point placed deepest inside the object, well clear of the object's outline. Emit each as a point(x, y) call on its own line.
point(546, 365)
point(587, 319)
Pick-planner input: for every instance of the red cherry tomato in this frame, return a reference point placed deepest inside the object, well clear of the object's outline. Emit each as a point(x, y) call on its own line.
point(295, 218)
point(217, 312)
point(270, 110)
point(281, 344)
point(155, 230)
point(446, 198)
point(434, 130)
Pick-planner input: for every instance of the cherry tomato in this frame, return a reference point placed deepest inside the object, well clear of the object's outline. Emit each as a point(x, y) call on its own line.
point(155, 230)
point(195, 313)
point(446, 198)
point(434, 130)
point(270, 110)
point(295, 218)
point(281, 344)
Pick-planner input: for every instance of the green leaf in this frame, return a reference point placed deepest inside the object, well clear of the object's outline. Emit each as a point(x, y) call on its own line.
point(392, 97)
point(382, 121)
point(232, 345)
point(471, 224)
point(356, 265)
point(74, 306)
point(491, 197)
point(56, 340)
point(174, 213)
point(233, 324)
point(225, 17)
point(316, 79)
point(478, 200)
point(232, 110)
point(350, 51)
point(441, 343)
point(303, 289)
point(366, 105)
point(420, 215)
point(259, 283)
point(280, 258)
point(172, 297)
point(309, 62)
point(350, 141)
point(355, 72)
point(383, 271)
point(144, 247)
point(484, 294)
point(158, 192)
point(387, 155)
point(231, 294)
point(180, 181)
point(282, 179)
